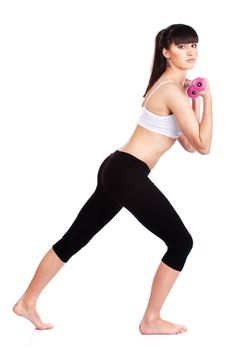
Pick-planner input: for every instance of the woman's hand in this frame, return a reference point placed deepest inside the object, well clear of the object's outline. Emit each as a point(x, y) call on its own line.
point(206, 92)
point(203, 93)
point(187, 83)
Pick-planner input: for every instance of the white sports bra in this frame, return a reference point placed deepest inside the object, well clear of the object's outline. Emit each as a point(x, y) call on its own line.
point(165, 125)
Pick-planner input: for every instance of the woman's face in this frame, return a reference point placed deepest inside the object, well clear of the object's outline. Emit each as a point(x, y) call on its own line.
point(183, 56)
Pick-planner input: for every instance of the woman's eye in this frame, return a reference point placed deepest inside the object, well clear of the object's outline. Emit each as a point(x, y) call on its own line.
point(183, 46)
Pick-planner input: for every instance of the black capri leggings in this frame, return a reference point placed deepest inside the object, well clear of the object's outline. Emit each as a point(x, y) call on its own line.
point(123, 182)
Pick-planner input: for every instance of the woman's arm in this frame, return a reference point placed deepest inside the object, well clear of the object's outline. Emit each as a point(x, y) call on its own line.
point(196, 104)
point(199, 134)
point(186, 144)
point(182, 139)
point(206, 124)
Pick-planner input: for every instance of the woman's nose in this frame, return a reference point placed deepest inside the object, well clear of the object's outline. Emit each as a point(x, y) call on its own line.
point(190, 52)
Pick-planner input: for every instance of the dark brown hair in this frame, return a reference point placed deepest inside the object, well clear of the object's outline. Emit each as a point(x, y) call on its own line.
point(174, 34)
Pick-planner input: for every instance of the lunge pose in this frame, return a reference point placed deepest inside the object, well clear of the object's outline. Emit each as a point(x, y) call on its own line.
point(168, 114)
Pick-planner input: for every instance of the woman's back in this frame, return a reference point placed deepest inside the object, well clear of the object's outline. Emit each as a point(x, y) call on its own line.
point(144, 143)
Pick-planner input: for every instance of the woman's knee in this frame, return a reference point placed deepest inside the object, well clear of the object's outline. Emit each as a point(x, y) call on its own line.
point(178, 250)
point(186, 242)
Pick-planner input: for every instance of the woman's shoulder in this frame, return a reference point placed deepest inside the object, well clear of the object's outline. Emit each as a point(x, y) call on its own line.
point(161, 91)
point(162, 86)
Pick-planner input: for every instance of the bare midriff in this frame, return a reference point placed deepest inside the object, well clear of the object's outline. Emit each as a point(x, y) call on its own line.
point(147, 145)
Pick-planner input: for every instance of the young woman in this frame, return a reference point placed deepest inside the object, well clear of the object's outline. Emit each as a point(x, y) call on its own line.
point(166, 116)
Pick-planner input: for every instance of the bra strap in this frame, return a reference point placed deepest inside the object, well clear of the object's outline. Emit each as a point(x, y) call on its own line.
point(163, 82)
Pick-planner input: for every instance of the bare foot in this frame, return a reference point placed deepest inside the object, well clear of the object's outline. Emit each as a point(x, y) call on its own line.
point(23, 309)
point(160, 326)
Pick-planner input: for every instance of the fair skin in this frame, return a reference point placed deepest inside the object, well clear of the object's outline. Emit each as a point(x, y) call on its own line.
point(148, 146)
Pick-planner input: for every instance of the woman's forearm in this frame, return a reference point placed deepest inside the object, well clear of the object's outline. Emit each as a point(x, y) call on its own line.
point(196, 105)
point(206, 124)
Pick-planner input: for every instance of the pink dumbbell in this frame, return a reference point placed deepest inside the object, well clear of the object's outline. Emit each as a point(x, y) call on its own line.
point(197, 84)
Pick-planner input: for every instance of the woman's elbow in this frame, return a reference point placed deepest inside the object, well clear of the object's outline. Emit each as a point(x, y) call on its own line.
point(204, 151)
point(190, 149)
point(202, 147)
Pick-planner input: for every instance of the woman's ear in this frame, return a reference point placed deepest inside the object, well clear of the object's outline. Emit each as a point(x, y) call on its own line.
point(165, 53)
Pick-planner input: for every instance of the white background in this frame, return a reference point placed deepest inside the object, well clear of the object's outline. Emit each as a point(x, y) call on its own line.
point(72, 76)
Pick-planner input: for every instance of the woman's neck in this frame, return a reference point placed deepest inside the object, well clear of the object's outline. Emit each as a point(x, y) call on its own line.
point(176, 75)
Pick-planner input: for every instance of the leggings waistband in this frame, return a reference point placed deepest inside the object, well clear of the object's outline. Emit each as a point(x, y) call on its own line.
point(132, 159)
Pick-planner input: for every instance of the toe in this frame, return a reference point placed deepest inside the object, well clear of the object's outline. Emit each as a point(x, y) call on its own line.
point(44, 326)
point(183, 329)
point(179, 329)
point(50, 325)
